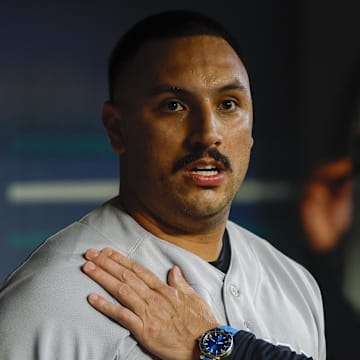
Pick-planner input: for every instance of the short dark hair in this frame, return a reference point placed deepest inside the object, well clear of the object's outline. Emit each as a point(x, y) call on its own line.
point(164, 25)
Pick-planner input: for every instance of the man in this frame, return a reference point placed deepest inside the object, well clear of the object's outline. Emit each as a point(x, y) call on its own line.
point(180, 116)
point(327, 217)
point(326, 207)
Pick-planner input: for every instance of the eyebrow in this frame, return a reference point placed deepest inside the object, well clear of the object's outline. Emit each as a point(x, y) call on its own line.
point(167, 88)
point(236, 85)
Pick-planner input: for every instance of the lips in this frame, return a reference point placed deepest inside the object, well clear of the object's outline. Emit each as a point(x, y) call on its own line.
point(205, 172)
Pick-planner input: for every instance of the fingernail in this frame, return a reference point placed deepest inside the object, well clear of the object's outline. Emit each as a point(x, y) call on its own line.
point(92, 297)
point(177, 271)
point(92, 253)
point(89, 266)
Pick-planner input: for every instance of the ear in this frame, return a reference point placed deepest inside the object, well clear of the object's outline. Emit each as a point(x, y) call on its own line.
point(111, 119)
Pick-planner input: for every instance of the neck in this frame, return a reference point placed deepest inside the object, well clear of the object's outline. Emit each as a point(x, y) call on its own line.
point(201, 237)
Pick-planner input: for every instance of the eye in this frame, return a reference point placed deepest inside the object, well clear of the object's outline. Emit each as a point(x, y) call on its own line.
point(228, 105)
point(171, 106)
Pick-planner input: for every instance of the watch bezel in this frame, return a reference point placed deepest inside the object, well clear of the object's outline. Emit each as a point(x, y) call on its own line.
point(224, 352)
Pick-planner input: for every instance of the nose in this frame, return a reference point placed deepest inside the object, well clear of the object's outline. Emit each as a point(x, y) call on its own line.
point(205, 128)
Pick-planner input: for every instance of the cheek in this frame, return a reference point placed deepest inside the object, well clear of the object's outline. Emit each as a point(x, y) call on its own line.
point(241, 150)
point(246, 146)
point(159, 152)
point(242, 140)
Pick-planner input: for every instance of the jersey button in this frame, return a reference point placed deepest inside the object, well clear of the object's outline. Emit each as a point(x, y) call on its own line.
point(234, 290)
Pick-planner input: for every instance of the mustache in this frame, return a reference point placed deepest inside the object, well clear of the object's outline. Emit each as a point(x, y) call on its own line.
point(199, 154)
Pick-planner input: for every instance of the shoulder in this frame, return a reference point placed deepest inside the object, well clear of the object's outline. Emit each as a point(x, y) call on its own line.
point(268, 256)
point(275, 273)
point(103, 226)
point(43, 304)
point(278, 287)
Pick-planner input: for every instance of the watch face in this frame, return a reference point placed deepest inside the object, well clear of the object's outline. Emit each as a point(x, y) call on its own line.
point(216, 343)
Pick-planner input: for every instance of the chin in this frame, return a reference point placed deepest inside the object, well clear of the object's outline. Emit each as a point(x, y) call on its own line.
point(205, 210)
point(202, 204)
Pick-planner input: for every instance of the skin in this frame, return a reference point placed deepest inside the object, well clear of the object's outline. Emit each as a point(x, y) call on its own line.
point(326, 214)
point(167, 319)
point(154, 124)
point(177, 98)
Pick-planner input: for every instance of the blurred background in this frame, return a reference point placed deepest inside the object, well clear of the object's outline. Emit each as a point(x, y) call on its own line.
point(304, 64)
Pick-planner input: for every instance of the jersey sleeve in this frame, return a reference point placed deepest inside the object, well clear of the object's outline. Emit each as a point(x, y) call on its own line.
point(248, 347)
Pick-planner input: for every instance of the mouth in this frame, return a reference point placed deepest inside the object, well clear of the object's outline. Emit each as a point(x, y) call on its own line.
point(205, 170)
point(205, 173)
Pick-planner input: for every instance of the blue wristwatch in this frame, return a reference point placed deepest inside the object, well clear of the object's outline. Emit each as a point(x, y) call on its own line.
point(217, 343)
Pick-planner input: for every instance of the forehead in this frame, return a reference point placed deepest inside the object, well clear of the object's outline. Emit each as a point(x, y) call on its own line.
point(192, 61)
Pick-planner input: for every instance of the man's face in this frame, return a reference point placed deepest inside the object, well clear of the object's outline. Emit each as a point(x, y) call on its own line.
point(185, 116)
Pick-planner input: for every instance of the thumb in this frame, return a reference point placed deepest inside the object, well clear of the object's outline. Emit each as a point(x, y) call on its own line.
point(176, 280)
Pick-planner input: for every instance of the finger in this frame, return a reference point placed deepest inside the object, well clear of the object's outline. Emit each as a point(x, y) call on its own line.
point(157, 292)
point(149, 278)
point(117, 270)
point(118, 257)
point(119, 290)
point(176, 280)
point(144, 281)
point(118, 313)
point(105, 263)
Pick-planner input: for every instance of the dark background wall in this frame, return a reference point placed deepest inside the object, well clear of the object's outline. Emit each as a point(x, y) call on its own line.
point(55, 162)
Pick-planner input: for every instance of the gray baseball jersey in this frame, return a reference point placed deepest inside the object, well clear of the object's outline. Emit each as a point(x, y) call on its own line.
point(44, 313)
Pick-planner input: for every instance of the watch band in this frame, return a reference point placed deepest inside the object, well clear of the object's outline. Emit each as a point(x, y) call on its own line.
point(229, 329)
